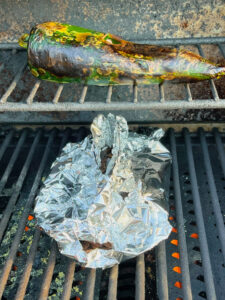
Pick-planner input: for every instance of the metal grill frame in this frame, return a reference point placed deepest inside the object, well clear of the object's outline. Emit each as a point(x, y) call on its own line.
point(161, 252)
point(108, 105)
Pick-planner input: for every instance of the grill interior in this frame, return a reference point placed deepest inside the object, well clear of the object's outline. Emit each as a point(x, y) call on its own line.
point(29, 94)
point(189, 265)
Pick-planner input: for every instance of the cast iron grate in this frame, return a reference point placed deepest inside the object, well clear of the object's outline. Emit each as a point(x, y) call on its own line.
point(189, 265)
point(19, 91)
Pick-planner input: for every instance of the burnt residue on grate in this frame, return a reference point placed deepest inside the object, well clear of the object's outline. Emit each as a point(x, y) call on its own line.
point(199, 192)
point(203, 115)
point(150, 275)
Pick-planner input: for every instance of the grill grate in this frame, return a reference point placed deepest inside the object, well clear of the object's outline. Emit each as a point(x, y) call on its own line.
point(189, 265)
point(157, 97)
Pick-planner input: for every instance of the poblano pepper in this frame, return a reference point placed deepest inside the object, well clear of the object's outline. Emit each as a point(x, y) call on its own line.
point(67, 53)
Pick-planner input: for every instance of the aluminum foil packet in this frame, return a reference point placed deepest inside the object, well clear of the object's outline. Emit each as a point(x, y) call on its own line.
point(105, 198)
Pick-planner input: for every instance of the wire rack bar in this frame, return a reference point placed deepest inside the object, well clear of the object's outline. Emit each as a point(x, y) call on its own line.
point(58, 94)
point(188, 92)
point(83, 94)
point(212, 84)
point(161, 93)
point(109, 94)
point(214, 90)
point(33, 92)
point(115, 106)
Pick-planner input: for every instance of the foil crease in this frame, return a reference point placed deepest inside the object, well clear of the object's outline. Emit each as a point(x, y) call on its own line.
point(102, 217)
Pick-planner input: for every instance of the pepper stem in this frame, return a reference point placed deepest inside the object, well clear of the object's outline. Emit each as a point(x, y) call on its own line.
point(23, 40)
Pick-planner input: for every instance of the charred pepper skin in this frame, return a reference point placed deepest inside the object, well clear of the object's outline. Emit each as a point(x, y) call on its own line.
point(66, 53)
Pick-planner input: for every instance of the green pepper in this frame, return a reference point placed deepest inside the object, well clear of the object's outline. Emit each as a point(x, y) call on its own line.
point(67, 53)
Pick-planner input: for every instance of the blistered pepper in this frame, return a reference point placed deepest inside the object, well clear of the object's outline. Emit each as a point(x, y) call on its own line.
point(67, 53)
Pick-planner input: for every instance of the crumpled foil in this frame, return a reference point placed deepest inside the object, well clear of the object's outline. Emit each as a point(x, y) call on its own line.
point(105, 198)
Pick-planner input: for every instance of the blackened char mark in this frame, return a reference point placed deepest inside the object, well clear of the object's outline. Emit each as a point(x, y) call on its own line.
point(61, 61)
point(147, 50)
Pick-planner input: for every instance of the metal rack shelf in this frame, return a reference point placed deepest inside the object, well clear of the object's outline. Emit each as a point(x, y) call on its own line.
point(29, 104)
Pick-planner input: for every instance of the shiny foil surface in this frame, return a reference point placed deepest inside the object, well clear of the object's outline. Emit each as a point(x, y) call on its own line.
point(105, 198)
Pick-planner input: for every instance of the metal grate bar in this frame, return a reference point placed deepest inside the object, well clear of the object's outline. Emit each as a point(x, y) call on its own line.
point(14, 83)
point(68, 280)
point(27, 269)
point(109, 94)
point(220, 149)
point(140, 278)
point(162, 281)
point(213, 192)
point(22, 222)
point(12, 160)
point(58, 94)
point(113, 281)
point(32, 94)
point(83, 94)
point(52, 257)
point(6, 142)
point(46, 282)
point(10, 205)
point(71, 263)
point(212, 84)
point(186, 283)
point(90, 285)
point(188, 92)
point(209, 283)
